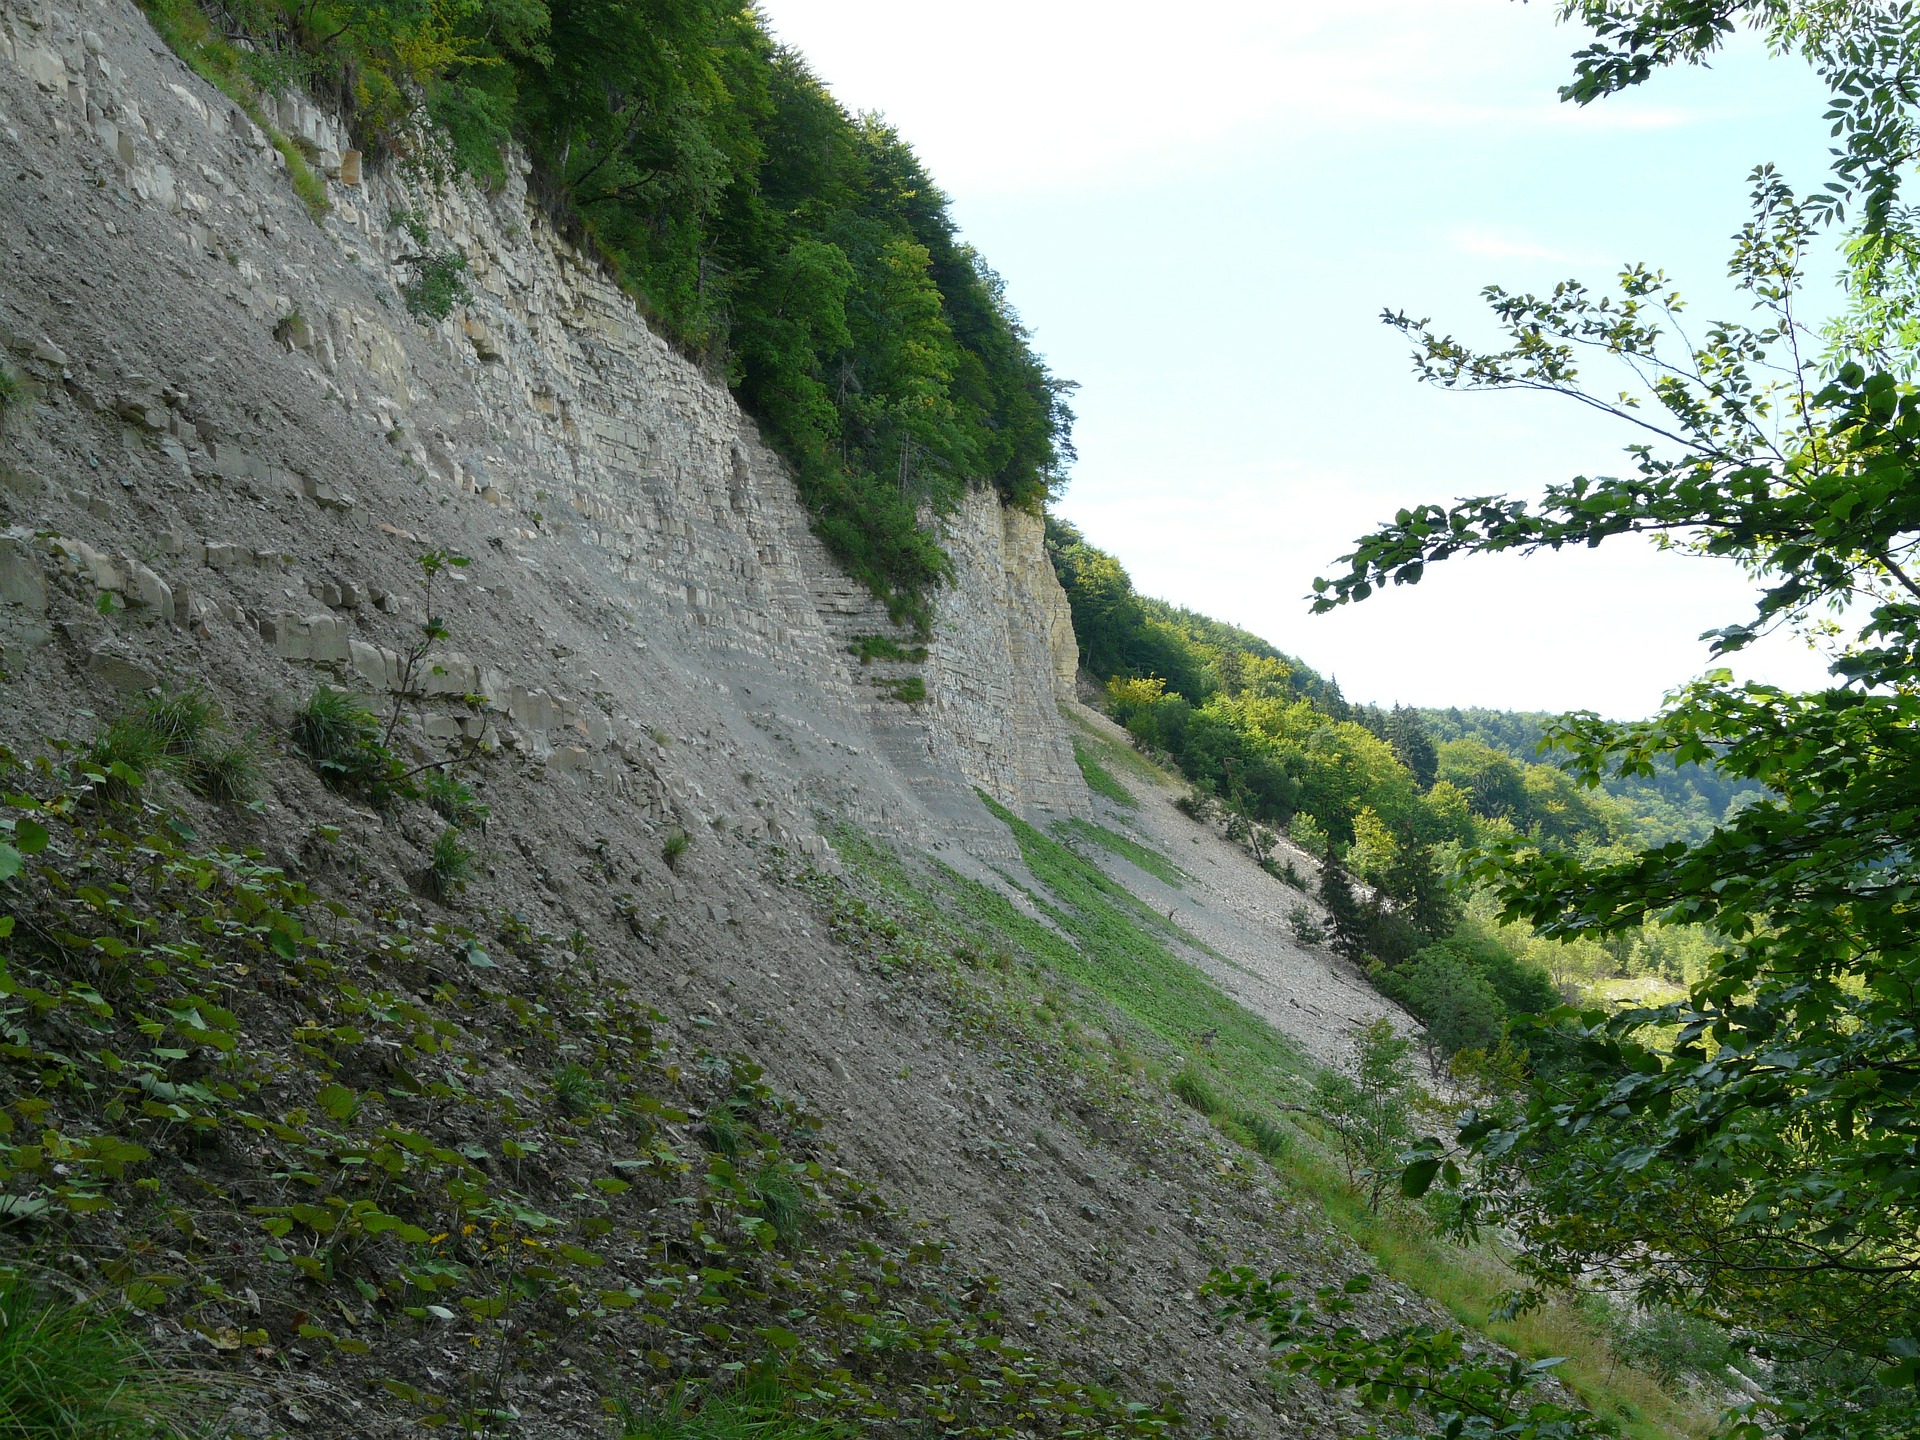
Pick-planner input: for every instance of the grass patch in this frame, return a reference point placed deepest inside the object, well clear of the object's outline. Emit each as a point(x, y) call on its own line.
point(1099, 779)
point(72, 1372)
point(340, 738)
point(674, 846)
point(449, 867)
point(1471, 1285)
point(910, 691)
point(1132, 851)
point(1120, 949)
point(869, 648)
point(758, 1410)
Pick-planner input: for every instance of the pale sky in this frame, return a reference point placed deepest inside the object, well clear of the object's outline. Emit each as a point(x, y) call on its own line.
point(1200, 211)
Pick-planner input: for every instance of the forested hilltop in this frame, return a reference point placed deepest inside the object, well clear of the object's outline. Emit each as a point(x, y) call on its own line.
point(800, 253)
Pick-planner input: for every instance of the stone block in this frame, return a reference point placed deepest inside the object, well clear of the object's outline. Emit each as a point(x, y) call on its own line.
point(329, 638)
point(225, 557)
point(21, 580)
point(349, 167)
point(146, 411)
point(45, 68)
point(325, 494)
point(441, 727)
point(120, 672)
point(568, 759)
point(143, 587)
point(288, 635)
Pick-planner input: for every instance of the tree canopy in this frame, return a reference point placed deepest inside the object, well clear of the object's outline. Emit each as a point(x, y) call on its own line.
point(1750, 1152)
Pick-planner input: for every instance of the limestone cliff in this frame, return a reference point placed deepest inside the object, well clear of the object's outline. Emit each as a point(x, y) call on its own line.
point(228, 446)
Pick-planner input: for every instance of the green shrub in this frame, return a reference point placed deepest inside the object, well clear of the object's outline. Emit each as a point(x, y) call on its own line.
point(1196, 1090)
point(179, 720)
point(453, 800)
point(72, 1372)
point(776, 1194)
point(341, 740)
point(910, 691)
point(13, 391)
point(724, 1131)
point(757, 1410)
point(870, 648)
point(575, 1091)
point(439, 283)
point(674, 846)
point(226, 774)
point(448, 868)
point(1306, 927)
point(129, 750)
point(1269, 1136)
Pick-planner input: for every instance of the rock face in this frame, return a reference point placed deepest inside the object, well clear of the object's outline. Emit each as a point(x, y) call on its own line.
point(544, 415)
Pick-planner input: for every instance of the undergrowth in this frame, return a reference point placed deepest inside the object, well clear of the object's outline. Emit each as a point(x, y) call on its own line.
point(1099, 779)
point(74, 1370)
point(356, 1141)
point(1143, 856)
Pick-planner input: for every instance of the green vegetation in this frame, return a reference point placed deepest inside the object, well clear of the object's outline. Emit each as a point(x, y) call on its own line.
point(190, 1001)
point(1732, 1153)
point(452, 799)
point(1099, 779)
point(341, 739)
point(755, 1410)
point(13, 391)
point(1143, 856)
point(71, 1371)
point(798, 252)
point(449, 867)
point(1248, 1080)
point(439, 283)
point(177, 733)
point(869, 648)
point(674, 847)
point(910, 691)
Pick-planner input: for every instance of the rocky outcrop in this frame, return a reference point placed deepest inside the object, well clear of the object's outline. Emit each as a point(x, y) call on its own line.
point(545, 414)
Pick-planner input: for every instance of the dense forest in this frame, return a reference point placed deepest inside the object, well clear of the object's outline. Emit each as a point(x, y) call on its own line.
point(798, 252)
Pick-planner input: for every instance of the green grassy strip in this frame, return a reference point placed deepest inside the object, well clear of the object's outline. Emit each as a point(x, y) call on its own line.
point(1142, 856)
point(1122, 953)
point(224, 66)
point(1099, 779)
point(1122, 956)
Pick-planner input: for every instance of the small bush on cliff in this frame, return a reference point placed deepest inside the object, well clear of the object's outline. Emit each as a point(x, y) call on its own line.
point(674, 846)
point(340, 738)
point(449, 867)
point(71, 1372)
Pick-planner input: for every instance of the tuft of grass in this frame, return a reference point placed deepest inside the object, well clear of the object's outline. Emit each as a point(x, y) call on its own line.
point(724, 1131)
point(674, 846)
point(449, 867)
point(453, 800)
point(1195, 1090)
point(757, 1410)
point(181, 720)
point(1132, 851)
point(13, 391)
point(341, 740)
point(72, 1372)
point(1099, 779)
point(910, 691)
point(575, 1091)
point(129, 750)
point(869, 648)
point(227, 774)
point(775, 1193)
